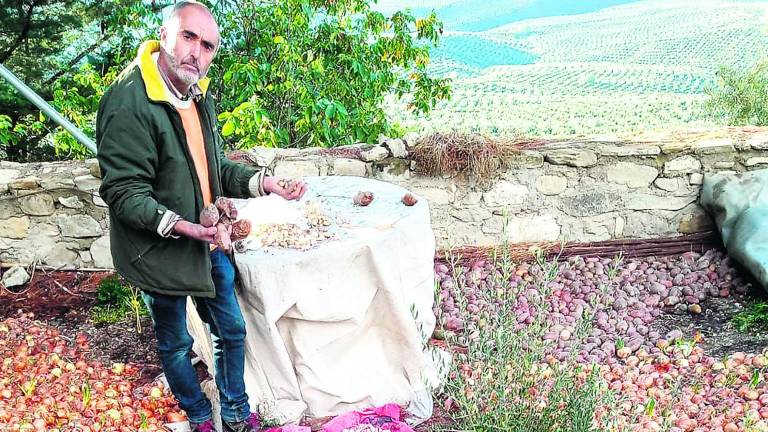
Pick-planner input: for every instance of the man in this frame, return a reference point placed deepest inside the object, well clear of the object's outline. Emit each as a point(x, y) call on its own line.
point(162, 162)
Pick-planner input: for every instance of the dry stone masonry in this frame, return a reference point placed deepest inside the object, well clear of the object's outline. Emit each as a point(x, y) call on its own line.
point(591, 189)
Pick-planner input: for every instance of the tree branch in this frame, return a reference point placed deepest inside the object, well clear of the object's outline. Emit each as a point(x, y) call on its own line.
point(77, 59)
point(22, 35)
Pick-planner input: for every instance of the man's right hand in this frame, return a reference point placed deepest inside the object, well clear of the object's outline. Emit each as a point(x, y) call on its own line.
point(195, 231)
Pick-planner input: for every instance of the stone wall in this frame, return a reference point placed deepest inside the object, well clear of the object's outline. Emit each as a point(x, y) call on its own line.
point(587, 190)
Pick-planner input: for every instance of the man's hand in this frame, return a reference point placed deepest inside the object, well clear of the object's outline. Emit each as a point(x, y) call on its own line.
point(195, 231)
point(287, 188)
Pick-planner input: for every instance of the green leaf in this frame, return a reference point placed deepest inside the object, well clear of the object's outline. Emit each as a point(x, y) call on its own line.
point(228, 128)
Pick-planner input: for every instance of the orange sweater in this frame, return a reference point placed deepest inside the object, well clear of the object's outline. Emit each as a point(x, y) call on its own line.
point(194, 133)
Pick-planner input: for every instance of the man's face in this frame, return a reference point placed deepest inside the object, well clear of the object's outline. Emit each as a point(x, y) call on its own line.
point(190, 42)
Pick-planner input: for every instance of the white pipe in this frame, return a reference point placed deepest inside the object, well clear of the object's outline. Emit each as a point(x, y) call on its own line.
point(47, 108)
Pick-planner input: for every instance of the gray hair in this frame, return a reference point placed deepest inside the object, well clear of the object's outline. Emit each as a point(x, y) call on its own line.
point(183, 4)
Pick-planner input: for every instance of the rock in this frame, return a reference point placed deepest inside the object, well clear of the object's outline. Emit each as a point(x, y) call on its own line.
point(551, 184)
point(758, 141)
point(14, 228)
point(526, 159)
point(714, 146)
point(93, 167)
point(375, 154)
point(629, 150)
point(695, 223)
point(100, 253)
point(78, 226)
point(667, 184)
point(696, 179)
point(349, 167)
point(694, 309)
point(15, 276)
point(674, 335)
point(674, 147)
point(80, 172)
point(396, 148)
point(6, 176)
point(593, 202)
point(37, 204)
point(87, 183)
point(682, 165)
point(296, 169)
point(471, 214)
point(631, 175)
point(572, 157)
point(57, 180)
point(638, 201)
point(96, 199)
point(505, 193)
point(671, 300)
point(25, 183)
point(756, 161)
point(263, 156)
point(434, 196)
point(618, 227)
point(724, 165)
point(72, 202)
point(59, 255)
point(533, 229)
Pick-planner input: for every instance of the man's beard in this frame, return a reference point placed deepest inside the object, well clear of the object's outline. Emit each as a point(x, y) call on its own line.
point(184, 75)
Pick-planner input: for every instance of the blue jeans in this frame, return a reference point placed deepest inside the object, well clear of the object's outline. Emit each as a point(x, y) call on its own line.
point(225, 323)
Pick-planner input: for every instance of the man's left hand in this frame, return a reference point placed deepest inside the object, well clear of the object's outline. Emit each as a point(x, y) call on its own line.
point(289, 189)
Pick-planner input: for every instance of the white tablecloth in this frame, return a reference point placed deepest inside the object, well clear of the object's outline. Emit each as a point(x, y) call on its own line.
point(343, 325)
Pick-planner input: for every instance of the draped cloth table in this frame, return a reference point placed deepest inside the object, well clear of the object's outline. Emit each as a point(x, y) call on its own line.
point(342, 325)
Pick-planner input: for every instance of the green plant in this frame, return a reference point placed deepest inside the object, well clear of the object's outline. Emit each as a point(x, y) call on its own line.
point(739, 98)
point(504, 377)
point(116, 300)
point(753, 319)
point(315, 72)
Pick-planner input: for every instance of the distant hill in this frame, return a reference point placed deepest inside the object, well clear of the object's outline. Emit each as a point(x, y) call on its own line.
point(632, 66)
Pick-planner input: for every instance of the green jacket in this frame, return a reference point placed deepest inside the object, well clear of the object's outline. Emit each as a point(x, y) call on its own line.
point(147, 169)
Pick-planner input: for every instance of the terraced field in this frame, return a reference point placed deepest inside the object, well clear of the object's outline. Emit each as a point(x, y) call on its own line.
point(642, 65)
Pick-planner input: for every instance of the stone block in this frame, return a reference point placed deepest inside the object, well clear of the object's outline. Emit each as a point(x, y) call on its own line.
point(533, 229)
point(641, 201)
point(505, 193)
point(551, 184)
point(87, 183)
point(15, 276)
point(72, 202)
point(349, 167)
point(675, 147)
point(682, 165)
point(263, 156)
point(78, 226)
point(714, 146)
point(14, 228)
point(37, 204)
point(631, 174)
point(100, 253)
point(575, 157)
point(396, 148)
point(526, 159)
point(759, 160)
point(296, 168)
point(24, 183)
point(629, 150)
point(374, 154)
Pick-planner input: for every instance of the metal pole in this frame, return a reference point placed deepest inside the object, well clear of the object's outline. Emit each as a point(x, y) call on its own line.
point(47, 108)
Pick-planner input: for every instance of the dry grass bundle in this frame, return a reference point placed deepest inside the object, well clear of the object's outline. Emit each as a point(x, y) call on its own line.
point(477, 156)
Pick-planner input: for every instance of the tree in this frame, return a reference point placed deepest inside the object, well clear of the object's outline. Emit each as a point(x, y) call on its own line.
point(740, 96)
point(315, 72)
point(55, 46)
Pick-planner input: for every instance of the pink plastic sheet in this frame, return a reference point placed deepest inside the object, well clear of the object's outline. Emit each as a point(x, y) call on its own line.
point(385, 417)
